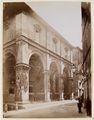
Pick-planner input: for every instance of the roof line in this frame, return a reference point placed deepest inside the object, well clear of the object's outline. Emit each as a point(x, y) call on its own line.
point(49, 26)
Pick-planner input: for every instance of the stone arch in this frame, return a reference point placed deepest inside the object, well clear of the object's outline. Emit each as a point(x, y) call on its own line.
point(36, 78)
point(40, 56)
point(71, 83)
point(9, 76)
point(57, 63)
point(54, 81)
point(66, 83)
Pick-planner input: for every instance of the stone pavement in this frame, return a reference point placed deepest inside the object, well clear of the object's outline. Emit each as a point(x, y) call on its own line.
point(57, 109)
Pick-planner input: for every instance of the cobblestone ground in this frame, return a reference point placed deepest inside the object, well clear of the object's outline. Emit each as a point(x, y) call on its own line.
point(60, 111)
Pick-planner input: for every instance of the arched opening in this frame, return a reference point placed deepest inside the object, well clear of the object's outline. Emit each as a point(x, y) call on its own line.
point(66, 83)
point(54, 82)
point(9, 75)
point(36, 79)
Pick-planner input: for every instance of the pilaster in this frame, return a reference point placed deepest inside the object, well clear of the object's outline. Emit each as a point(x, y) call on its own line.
point(46, 85)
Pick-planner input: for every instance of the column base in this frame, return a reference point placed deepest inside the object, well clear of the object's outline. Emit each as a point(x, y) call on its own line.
point(47, 97)
point(22, 104)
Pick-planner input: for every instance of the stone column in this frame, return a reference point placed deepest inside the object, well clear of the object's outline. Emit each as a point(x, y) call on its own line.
point(22, 82)
point(60, 89)
point(46, 85)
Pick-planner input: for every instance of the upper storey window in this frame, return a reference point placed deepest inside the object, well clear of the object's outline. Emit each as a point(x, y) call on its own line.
point(37, 30)
point(75, 55)
point(66, 52)
point(55, 44)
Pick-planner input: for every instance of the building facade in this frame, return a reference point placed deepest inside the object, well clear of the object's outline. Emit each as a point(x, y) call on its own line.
point(86, 42)
point(77, 76)
point(37, 59)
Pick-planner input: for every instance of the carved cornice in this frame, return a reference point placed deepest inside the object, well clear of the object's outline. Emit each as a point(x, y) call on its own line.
point(8, 44)
point(20, 42)
point(39, 47)
point(44, 49)
point(46, 72)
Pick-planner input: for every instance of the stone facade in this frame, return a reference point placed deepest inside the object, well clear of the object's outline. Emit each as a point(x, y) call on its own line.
point(37, 59)
point(77, 76)
point(86, 41)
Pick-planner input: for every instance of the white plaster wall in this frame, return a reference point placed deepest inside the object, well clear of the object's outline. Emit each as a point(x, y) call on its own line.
point(30, 27)
point(18, 24)
point(9, 33)
point(49, 41)
point(25, 25)
point(25, 54)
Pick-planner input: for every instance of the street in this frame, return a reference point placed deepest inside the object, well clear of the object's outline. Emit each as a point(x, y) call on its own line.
point(60, 111)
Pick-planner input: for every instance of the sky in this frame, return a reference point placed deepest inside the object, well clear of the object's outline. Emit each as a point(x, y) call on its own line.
point(64, 17)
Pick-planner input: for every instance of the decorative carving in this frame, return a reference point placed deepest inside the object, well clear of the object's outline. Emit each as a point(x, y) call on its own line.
point(18, 86)
point(55, 40)
point(22, 77)
point(37, 28)
point(66, 50)
point(55, 44)
point(21, 81)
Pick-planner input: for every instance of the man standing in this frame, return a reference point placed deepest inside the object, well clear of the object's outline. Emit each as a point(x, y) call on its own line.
point(79, 104)
point(88, 106)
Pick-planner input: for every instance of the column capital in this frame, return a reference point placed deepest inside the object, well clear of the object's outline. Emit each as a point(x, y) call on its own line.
point(20, 41)
point(46, 71)
point(22, 66)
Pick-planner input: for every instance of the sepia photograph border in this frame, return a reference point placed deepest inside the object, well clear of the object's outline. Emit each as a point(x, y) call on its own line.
point(1, 57)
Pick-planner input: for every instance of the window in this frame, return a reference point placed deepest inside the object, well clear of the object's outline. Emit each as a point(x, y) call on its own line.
point(37, 30)
point(55, 44)
point(66, 52)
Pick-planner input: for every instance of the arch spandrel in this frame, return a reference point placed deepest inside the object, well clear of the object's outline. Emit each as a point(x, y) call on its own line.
point(6, 52)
